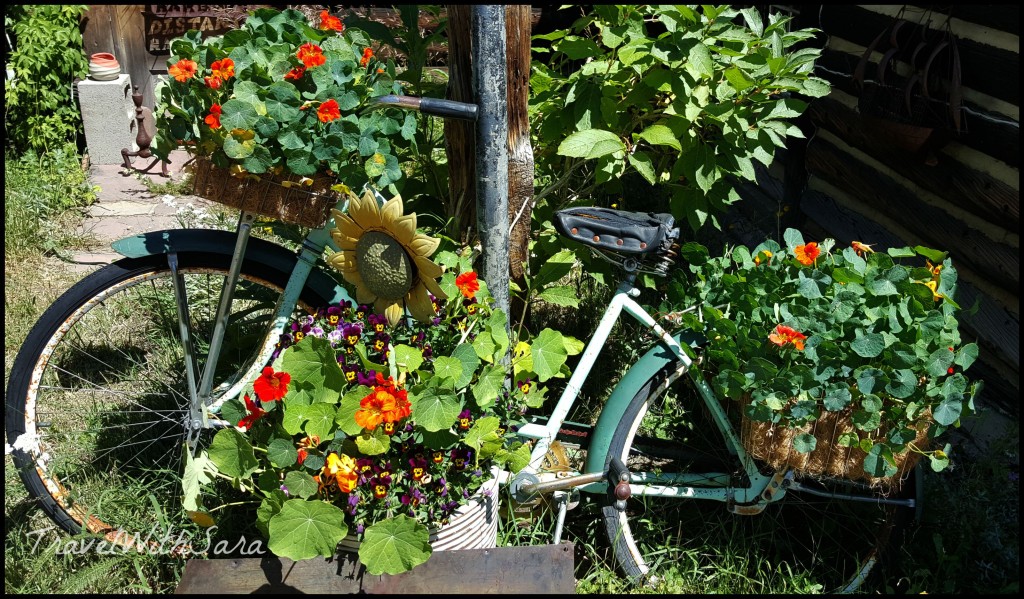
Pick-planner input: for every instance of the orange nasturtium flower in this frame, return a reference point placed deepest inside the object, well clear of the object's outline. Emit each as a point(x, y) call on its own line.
point(183, 70)
point(212, 82)
point(311, 55)
point(467, 284)
point(255, 412)
point(328, 111)
point(213, 119)
point(343, 469)
point(271, 386)
point(862, 249)
point(367, 55)
point(386, 403)
point(330, 22)
point(807, 253)
point(295, 74)
point(784, 335)
point(223, 69)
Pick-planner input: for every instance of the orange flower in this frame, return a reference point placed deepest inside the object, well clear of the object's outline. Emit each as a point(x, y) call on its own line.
point(311, 55)
point(212, 82)
point(380, 71)
point(367, 55)
point(386, 403)
point(784, 335)
point(329, 22)
point(343, 469)
point(467, 284)
point(183, 70)
point(223, 69)
point(767, 257)
point(271, 386)
point(295, 74)
point(862, 249)
point(806, 254)
point(213, 120)
point(328, 111)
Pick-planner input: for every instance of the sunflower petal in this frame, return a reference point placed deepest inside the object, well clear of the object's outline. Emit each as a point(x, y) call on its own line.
point(348, 228)
point(364, 211)
point(424, 246)
point(392, 210)
point(419, 304)
point(434, 288)
point(345, 261)
point(404, 229)
point(427, 268)
point(391, 309)
point(363, 295)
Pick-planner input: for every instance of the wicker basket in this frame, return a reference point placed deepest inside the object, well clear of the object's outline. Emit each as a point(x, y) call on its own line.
point(285, 198)
point(773, 444)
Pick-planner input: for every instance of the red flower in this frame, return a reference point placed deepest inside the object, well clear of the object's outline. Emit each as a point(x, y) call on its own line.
point(212, 82)
point(213, 120)
point(329, 22)
point(328, 111)
point(311, 55)
point(806, 254)
point(386, 403)
point(271, 386)
point(467, 284)
point(255, 413)
point(183, 70)
point(295, 74)
point(367, 55)
point(862, 249)
point(223, 69)
point(784, 335)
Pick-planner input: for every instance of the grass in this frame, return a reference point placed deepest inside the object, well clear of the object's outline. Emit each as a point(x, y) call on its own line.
point(967, 542)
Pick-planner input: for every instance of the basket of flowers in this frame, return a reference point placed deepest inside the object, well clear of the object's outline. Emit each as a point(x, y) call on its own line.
point(269, 113)
point(376, 432)
point(847, 362)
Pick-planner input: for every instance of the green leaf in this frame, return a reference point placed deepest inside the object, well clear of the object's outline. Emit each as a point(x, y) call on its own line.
point(300, 484)
point(879, 462)
point(484, 346)
point(488, 386)
point(548, 351)
point(515, 459)
point(660, 135)
point(199, 471)
point(804, 443)
point(591, 143)
point(282, 452)
point(436, 410)
point(554, 268)
point(373, 442)
point(939, 361)
point(966, 356)
point(394, 545)
point(294, 415)
point(949, 409)
point(483, 436)
point(236, 114)
point(699, 62)
point(231, 452)
point(305, 529)
point(560, 296)
point(320, 420)
point(446, 367)
point(903, 385)
point(468, 360)
point(643, 165)
point(869, 345)
point(408, 358)
point(346, 416)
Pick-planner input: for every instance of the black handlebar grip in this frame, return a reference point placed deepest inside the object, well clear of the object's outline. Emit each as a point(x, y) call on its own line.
point(433, 106)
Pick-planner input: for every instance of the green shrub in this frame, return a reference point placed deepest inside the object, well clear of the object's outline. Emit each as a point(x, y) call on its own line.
point(40, 113)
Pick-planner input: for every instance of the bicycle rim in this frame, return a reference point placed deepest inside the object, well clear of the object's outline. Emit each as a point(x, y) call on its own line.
point(100, 383)
point(803, 542)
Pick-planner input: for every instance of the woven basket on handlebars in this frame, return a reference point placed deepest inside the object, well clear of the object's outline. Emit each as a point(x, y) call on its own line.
point(290, 198)
point(773, 444)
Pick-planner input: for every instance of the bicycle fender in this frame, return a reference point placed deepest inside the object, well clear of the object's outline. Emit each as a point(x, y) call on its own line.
point(212, 241)
point(638, 375)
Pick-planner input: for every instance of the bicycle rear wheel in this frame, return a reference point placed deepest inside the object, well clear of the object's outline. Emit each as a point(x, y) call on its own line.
point(807, 540)
point(99, 387)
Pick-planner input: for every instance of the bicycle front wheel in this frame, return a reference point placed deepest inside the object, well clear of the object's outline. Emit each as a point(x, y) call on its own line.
point(98, 394)
point(830, 536)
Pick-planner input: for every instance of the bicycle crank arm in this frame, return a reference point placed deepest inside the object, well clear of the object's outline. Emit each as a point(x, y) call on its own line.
point(527, 486)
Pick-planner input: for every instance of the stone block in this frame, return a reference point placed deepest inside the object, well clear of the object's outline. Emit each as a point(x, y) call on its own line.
point(108, 117)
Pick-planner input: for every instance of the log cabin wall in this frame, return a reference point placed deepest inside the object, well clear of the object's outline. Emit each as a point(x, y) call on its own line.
point(963, 197)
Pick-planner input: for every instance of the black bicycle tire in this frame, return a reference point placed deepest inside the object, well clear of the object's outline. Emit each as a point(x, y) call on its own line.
point(620, 540)
point(64, 308)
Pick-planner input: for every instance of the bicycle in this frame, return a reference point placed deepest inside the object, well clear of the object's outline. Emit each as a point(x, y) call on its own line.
point(136, 359)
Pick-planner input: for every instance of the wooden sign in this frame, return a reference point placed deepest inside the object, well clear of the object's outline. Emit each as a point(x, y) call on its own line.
point(164, 22)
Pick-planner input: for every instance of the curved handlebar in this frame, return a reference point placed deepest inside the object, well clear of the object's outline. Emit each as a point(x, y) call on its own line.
point(432, 106)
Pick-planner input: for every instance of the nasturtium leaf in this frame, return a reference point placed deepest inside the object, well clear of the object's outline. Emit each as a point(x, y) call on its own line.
point(231, 452)
point(949, 409)
point(373, 442)
point(436, 409)
point(294, 417)
point(548, 351)
point(879, 462)
point(394, 545)
point(300, 484)
point(903, 384)
point(489, 385)
point(837, 398)
point(868, 345)
point(484, 346)
point(233, 411)
point(282, 453)
point(483, 436)
point(468, 359)
point(447, 367)
point(514, 459)
point(269, 507)
point(305, 529)
point(870, 379)
point(320, 420)
point(804, 443)
point(408, 358)
point(238, 114)
point(345, 417)
point(966, 356)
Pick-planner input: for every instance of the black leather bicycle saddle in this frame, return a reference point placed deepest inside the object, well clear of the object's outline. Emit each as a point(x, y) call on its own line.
point(618, 230)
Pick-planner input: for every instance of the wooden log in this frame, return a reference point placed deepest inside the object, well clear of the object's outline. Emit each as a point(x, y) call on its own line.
point(977, 192)
point(546, 569)
point(994, 261)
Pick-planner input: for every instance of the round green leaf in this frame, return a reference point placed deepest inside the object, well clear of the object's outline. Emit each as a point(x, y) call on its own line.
point(394, 545)
point(300, 484)
point(869, 345)
point(879, 462)
point(548, 351)
point(282, 452)
point(304, 529)
point(436, 410)
point(231, 452)
point(804, 443)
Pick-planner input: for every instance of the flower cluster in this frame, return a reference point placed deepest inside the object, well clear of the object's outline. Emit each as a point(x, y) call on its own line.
point(801, 331)
point(279, 95)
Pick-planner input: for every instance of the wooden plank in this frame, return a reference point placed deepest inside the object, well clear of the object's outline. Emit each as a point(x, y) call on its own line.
point(994, 261)
point(977, 192)
point(547, 569)
point(130, 29)
point(984, 68)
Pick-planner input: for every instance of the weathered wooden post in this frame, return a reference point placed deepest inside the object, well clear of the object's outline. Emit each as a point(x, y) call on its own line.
point(489, 83)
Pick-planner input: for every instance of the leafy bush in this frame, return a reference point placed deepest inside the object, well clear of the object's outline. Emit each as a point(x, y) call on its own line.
point(40, 114)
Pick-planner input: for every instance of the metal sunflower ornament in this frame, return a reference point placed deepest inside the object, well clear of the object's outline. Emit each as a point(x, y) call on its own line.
point(386, 259)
